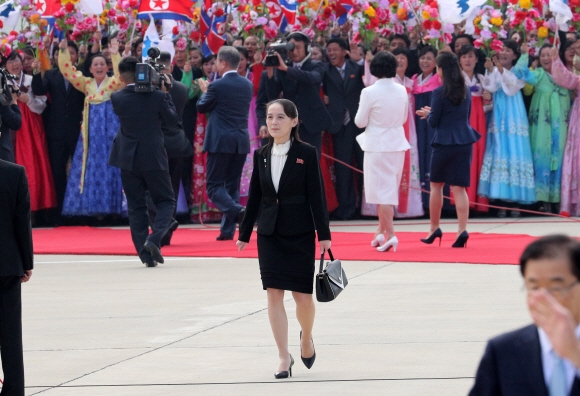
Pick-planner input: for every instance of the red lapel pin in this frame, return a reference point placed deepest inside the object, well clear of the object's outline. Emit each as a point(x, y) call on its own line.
point(299, 161)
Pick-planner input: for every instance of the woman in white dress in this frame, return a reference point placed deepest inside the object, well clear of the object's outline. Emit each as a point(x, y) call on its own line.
point(383, 110)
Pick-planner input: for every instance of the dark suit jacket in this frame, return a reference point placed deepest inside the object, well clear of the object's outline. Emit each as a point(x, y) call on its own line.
point(451, 123)
point(11, 120)
point(138, 145)
point(303, 88)
point(512, 366)
point(228, 102)
point(300, 204)
point(262, 100)
point(15, 228)
point(66, 111)
point(176, 142)
point(342, 93)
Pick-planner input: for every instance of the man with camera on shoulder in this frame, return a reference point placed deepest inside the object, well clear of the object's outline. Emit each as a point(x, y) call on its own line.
point(299, 80)
point(138, 150)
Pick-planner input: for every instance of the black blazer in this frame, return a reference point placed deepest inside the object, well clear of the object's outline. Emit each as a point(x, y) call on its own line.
point(11, 120)
point(138, 145)
point(451, 123)
point(66, 110)
point(512, 366)
point(15, 228)
point(176, 142)
point(342, 93)
point(228, 102)
point(300, 204)
point(303, 88)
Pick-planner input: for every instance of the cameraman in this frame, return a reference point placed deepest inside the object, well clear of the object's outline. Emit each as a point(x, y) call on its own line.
point(139, 152)
point(299, 80)
point(11, 119)
point(176, 143)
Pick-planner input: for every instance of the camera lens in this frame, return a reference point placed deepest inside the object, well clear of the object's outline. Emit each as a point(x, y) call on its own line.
point(153, 53)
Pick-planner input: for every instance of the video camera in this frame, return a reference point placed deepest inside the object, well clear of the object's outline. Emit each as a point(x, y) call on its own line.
point(8, 87)
point(280, 47)
point(148, 75)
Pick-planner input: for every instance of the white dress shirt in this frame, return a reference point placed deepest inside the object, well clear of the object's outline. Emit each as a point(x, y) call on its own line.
point(548, 360)
point(279, 156)
point(229, 71)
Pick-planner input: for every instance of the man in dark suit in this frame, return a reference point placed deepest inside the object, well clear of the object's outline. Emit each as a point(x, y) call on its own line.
point(139, 152)
point(176, 144)
point(64, 121)
point(343, 85)
point(542, 359)
point(227, 141)
point(11, 119)
point(15, 267)
point(261, 102)
point(299, 81)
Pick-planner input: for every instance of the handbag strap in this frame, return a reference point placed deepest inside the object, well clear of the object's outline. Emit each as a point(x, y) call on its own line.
point(322, 259)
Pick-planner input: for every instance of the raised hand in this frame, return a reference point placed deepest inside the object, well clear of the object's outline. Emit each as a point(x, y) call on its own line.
point(114, 46)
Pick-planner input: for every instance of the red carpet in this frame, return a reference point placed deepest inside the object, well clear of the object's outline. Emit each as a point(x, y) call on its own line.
point(481, 249)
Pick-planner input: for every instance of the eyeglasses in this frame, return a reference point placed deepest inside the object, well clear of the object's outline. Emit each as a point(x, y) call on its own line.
point(554, 291)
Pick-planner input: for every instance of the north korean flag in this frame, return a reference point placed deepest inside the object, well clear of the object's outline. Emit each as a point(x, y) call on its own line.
point(46, 8)
point(216, 37)
point(204, 21)
point(342, 8)
point(179, 10)
point(289, 10)
point(275, 11)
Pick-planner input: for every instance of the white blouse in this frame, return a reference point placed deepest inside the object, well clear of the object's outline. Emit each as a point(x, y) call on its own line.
point(279, 155)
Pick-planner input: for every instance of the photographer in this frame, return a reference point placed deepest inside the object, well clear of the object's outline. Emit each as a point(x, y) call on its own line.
point(299, 80)
point(10, 117)
point(177, 145)
point(138, 150)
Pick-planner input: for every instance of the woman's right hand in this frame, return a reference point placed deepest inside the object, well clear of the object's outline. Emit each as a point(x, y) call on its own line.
point(241, 245)
point(424, 112)
point(187, 67)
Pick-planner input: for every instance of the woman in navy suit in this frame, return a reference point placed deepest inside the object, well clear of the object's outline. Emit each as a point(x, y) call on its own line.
point(287, 186)
point(452, 145)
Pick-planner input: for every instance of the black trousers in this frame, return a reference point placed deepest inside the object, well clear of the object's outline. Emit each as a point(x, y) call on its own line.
point(224, 173)
point(11, 336)
point(59, 153)
point(136, 185)
point(347, 149)
point(175, 165)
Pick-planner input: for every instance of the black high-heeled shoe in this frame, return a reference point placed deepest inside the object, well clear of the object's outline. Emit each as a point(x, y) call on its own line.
point(436, 234)
point(308, 362)
point(461, 240)
point(287, 373)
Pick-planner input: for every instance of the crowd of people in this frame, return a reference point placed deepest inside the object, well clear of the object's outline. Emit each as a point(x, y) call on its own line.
point(524, 108)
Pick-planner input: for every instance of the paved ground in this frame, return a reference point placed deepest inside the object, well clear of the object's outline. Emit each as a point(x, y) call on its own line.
point(106, 325)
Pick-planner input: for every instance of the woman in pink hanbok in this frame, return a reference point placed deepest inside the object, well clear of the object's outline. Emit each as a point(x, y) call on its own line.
point(570, 186)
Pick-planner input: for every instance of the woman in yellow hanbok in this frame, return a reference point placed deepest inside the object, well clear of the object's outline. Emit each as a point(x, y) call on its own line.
point(93, 187)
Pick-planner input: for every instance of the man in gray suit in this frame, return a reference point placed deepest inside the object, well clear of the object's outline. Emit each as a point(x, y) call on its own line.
point(15, 268)
point(227, 141)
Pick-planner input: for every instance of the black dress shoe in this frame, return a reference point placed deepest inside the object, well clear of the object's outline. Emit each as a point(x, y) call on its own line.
point(154, 250)
point(150, 263)
point(241, 215)
point(166, 240)
point(222, 237)
point(287, 373)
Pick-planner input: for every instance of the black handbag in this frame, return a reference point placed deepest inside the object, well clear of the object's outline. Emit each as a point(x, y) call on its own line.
point(330, 281)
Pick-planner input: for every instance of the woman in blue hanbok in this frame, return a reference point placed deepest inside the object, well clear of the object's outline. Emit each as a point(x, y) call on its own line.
point(507, 172)
point(94, 188)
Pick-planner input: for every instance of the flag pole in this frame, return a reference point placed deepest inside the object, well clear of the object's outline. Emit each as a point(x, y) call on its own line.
point(317, 11)
point(133, 32)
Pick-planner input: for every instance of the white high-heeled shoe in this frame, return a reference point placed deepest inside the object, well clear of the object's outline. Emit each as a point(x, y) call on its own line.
point(391, 243)
point(379, 239)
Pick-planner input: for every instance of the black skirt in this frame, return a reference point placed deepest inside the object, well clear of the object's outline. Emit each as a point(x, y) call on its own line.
point(451, 164)
point(287, 262)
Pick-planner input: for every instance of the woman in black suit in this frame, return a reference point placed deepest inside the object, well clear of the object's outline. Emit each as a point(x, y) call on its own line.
point(287, 186)
point(452, 145)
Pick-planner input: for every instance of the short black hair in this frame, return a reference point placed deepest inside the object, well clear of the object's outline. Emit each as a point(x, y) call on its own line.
point(341, 43)
point(164, 57)
point(243, 51)
point(239, 38)
point(384, 65)
point(403, 37)
point(514, 46)
point(298, 36)
point(466, 49)
point(127, 68)
point(462, 35)
point(553, 246)
point(426, 49)
point(72, 44)
point(401, 51)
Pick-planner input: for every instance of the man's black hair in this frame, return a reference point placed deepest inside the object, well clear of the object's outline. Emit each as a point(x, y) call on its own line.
point(127, 68)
